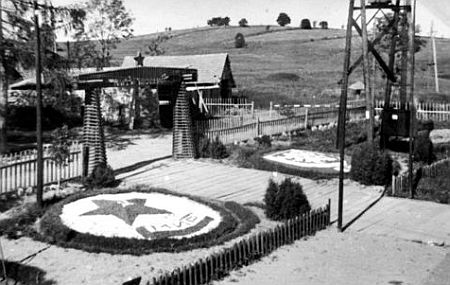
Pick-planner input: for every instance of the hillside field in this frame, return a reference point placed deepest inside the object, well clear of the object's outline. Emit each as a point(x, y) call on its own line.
point(288, 65)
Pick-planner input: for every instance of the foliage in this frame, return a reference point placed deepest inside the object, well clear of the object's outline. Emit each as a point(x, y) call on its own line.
point(107, 22)
point(211, 149)
point(19, 273)
point(370, 166)
point(286, 200)
point(239, 41)
point(60, 147)
point(283, 19)
point(102, 176)
point(423, 148)
point(236, 221)
point(24, 118)
point(305, 24)
point(323, 25)
point(243, 22)
point(218, 21)
point(154, 47)
point(264, 142)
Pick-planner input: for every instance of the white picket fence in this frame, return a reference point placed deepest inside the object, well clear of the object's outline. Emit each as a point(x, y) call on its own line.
point(438, 112)
point(19, 170)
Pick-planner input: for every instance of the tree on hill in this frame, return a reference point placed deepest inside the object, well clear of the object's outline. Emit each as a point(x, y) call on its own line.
point(108, 22)
point(243, 23)
point(154, 46)
point(305, 24)
point(219, 21)
point(323, 25)
point(283, 19)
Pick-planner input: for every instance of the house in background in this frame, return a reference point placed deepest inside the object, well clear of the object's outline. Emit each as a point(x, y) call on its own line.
point(215, 79)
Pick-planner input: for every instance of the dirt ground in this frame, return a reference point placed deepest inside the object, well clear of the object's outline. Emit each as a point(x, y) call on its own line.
point(330, 257)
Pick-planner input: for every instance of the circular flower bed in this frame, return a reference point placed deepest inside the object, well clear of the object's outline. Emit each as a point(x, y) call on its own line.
point(327, 162)
point(140, 221)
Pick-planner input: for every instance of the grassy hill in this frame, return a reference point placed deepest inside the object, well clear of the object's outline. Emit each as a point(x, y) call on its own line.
point(286, 65)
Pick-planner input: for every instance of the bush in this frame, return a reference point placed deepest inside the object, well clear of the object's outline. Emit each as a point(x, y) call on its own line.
point(211, 149)
point(264, 142)
point(423, 148)
point(371, 166)
point(239, 40)
point(243, 23)
point(286, 200)
point(102, 176)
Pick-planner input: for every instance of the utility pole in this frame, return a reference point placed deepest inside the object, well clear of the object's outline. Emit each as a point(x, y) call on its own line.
point(3, 86)
point(433, 43)
point(366, 73)
point(411, 62)
point(39, 161)
point(343, 111)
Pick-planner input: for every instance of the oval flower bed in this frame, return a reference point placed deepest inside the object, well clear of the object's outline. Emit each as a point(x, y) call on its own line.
point(140, 221)
point(326, 162)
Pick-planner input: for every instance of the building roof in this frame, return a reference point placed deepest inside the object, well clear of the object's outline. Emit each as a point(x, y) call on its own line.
point(212, 68)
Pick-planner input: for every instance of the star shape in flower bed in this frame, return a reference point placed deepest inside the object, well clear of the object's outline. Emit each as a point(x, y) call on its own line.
point(128, 213)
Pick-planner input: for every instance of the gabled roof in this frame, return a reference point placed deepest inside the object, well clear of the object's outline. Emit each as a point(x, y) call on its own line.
point(212, 68)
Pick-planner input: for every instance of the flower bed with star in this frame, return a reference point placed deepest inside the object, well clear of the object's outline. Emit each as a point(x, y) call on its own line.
point(141, 221)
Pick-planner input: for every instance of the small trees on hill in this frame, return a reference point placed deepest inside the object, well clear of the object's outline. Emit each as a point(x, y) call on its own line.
point(243, 23)
point(218, 21)
point(323, 25)
point(283, 19)
point(305, 24)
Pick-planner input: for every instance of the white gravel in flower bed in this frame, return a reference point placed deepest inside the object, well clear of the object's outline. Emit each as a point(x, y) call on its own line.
point(139, 215)
point(307, 159)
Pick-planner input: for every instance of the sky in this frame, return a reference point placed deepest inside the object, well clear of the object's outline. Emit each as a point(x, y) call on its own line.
point(155, 15)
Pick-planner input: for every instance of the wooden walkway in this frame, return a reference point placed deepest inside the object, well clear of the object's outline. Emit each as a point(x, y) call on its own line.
point(223, 182)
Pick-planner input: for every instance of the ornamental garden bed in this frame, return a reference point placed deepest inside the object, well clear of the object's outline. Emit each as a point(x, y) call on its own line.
point(141, 221)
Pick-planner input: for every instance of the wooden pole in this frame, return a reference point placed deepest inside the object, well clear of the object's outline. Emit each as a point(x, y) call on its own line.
point(366, 72)
point(411, 63)
point(39, 161)
point(342, 112)
point(433, 43)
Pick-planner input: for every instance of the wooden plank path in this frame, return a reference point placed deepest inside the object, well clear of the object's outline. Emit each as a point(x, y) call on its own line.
point(394, 217)
point(224, 182)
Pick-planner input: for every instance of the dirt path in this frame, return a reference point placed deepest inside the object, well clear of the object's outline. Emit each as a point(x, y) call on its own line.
point(348, 258)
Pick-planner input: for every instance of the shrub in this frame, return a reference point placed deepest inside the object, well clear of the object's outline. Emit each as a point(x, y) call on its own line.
point(371, 166)
point(286, 200)
point(211, 149)
point(239, 40)
point(423, 148)
point(101, 176)
point(264, 142)
point(243, 23)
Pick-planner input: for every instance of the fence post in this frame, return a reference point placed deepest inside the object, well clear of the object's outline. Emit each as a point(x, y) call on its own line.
point(85, 161)
point(253, 109)
point(306, 118)
point(270, 109)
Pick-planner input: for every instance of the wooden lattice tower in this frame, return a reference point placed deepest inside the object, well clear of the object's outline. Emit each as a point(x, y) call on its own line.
point(93, 135)
point(183, 137)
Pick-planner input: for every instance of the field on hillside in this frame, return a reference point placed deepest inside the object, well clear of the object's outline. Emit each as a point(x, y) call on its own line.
point(288, 65)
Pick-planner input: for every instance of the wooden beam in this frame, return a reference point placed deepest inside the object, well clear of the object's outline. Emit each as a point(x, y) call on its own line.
point(380, 60)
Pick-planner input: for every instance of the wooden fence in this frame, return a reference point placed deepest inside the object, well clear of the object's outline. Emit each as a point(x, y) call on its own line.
point(246, 251)
point(19, 170)
point(234, 130)
point(401, 184)
point(438, 112)
point(229, 106)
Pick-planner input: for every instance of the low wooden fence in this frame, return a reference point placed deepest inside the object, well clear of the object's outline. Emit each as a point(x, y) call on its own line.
point(235, 132)
point(401, 183)
point(246, 251)
point(19, 170)
point(438, 112)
